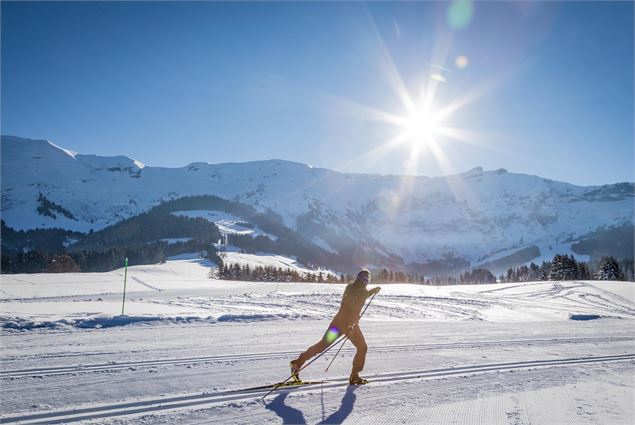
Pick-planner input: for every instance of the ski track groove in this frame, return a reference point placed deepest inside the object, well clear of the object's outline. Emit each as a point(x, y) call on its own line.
point(187, 401)
point(147, 285)
point(99, 367)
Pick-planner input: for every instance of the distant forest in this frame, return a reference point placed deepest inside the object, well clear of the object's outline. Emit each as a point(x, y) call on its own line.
point(561, 267)
point(145, 239)
point(140, 239)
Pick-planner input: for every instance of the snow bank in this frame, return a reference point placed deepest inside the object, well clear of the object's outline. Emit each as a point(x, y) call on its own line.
point(22, 324)
point(101, 322)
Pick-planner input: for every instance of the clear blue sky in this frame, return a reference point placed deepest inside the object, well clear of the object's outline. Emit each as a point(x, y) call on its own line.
point(174, 83)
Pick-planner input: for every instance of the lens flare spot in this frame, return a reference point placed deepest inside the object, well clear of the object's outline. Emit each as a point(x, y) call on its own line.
point(437, 77)
point(388, 201)
point(332, 334)
point(461, 61)
point(460, 14)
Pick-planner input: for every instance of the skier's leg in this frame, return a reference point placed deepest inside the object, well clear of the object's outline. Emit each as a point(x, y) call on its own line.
point(357, 338)
point(329, 337)
point(313, 350)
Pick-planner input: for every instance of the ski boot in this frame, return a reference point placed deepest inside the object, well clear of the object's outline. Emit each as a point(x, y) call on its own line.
point(295, 371)
point(355, 379)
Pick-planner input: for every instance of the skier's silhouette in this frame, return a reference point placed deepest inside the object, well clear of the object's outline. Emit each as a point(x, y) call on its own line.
point(346, 322)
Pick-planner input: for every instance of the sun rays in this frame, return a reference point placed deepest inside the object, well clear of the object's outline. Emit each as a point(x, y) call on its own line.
point(422, 128)
point(418, 125)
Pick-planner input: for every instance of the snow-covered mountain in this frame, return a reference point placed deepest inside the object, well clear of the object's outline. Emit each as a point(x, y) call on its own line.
point(477, 217)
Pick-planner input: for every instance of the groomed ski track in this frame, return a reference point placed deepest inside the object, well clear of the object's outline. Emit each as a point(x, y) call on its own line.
point(515, 354)
point(100, 367)
point(201, 400)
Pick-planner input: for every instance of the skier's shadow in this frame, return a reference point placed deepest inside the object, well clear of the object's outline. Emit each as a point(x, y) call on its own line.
point(345, 409)
point(290, 415)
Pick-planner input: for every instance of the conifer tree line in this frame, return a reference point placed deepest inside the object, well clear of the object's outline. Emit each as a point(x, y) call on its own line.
point(561, 267)
point(244, 272)
point(566, 267)
point(235, 271)
point(102, 260)
point(471, 277)
point(383, 276)
point(477, 276)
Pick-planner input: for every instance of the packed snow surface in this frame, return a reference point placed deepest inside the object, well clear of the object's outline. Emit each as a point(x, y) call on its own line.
point(537, 352)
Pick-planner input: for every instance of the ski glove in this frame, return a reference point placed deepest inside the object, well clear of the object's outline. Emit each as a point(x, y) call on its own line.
point(375, 290)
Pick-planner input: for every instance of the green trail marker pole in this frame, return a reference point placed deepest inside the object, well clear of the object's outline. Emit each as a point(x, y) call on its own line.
point(125, 278)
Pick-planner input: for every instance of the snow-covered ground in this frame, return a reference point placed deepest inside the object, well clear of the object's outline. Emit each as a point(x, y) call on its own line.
point(232, 255)
point(488, 354)
point(227, 223)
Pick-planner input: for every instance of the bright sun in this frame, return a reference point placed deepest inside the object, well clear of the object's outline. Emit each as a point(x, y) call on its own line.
point(420, 127)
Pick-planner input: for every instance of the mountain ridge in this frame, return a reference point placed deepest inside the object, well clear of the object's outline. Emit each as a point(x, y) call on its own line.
point(467, 216)
point(477, 170)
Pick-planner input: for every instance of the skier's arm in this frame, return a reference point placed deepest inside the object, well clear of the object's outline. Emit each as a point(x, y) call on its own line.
point(374, 291)
point(346, 303)
point(366, 294)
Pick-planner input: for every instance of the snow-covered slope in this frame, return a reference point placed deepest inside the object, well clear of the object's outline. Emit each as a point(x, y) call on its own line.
point(263, 259)
point(473, 216)
point(227, 223)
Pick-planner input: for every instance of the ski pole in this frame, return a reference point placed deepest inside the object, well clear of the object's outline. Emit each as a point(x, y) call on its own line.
point(333, 359)
point(342, 338)
point(278, 385)
point(125, 278)
point(338, 351)
point(346, 339)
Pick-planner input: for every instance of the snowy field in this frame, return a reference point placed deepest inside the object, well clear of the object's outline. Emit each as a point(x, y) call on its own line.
point(227, 223)
point(188, 346)
point(231, 255)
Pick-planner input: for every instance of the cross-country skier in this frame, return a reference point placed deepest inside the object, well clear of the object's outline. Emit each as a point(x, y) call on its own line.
point(346, 322)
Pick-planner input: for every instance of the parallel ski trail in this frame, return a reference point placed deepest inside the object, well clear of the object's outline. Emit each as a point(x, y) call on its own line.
point(147, 285)
point(97, 367)
point(199, 400)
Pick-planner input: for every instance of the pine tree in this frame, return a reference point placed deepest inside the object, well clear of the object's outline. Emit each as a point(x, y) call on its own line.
point(563, 267)
point(534, 272)
point(477, 276)
point(545, 269)
point(583, 271)
point(510, 275)
point(628, 270)
point(609, 269)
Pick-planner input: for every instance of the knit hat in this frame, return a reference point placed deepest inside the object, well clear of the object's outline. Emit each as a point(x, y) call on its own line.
point(363, 277)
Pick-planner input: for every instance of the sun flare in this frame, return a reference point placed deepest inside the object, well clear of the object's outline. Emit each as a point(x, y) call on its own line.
point(420, 126)
point(425, 122)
